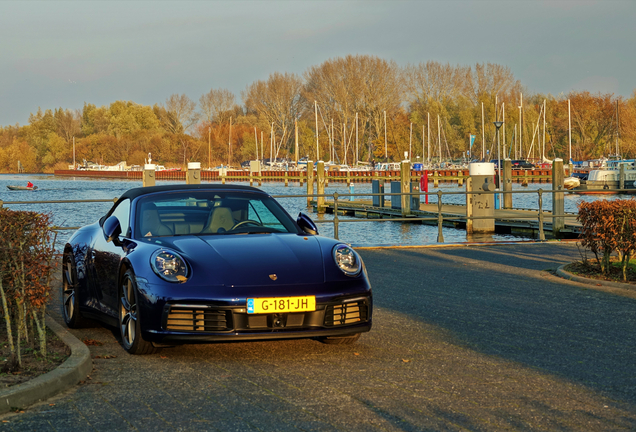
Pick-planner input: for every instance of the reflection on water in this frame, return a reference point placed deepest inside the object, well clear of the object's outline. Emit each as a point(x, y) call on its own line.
point(358, 233)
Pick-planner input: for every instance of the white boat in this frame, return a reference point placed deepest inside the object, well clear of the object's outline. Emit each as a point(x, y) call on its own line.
point(607, 180)
point(571, 182)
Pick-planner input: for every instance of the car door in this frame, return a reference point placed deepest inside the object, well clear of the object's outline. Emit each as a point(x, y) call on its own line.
point(106, 261)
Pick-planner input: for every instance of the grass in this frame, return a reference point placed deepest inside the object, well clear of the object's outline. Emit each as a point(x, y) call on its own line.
point(591, 269)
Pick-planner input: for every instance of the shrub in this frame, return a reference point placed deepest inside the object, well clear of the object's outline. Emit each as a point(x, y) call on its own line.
point(607, 227)
point(26, 261)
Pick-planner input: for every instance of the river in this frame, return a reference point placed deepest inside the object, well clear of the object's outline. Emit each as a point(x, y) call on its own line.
point(51, 187)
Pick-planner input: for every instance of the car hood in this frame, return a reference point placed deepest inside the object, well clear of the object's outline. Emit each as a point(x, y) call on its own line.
point(255, 259)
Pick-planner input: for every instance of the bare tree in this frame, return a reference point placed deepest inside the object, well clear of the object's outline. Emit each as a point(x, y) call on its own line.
point(68, 123)
point(361, 84)
point(276, 101)
point(436, 81)
point(179, 114)
point(217, 105)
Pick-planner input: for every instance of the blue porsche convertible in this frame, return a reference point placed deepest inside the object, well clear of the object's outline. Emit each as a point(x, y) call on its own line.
point(201, 263)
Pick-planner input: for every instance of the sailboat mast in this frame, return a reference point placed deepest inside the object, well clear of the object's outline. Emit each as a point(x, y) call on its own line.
point(357, 154)
point(569, 130)
point(255, 142)
point(439, 140)
point(618, 153)
point(423, 130)
point(410, 140)
point(316, 112)
point(503, 113)
point(521, 126)
point(543, 150)
point(483, 135)
point(428, 123)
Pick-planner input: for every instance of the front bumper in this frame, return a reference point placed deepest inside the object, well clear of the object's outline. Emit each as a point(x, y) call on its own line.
point(170, 320)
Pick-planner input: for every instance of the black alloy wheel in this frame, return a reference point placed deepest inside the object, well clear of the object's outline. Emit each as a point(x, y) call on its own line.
point(70, 305)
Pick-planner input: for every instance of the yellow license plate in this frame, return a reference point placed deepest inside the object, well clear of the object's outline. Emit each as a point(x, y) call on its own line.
point(281, 304)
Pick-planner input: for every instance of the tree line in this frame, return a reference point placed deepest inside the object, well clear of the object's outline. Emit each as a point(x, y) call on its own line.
point(347, 109)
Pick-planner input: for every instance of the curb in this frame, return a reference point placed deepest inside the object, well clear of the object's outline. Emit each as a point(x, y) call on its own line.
point(569, 276)
point(65, 376)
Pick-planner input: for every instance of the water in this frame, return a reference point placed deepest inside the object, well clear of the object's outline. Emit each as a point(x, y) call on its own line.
point(358, 233)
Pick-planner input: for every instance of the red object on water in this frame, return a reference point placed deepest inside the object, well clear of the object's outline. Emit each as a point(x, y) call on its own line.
point(424, 183)
point(29, 184)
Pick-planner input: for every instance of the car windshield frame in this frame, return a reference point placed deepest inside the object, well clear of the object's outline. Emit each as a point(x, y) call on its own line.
point(202, 212)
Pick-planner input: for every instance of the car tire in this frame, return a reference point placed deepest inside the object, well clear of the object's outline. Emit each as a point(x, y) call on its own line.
point(340, 340)
point(129, 320)
point(70, 304)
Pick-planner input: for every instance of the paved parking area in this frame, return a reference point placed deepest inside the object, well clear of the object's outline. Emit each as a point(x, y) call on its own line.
point(464, 338)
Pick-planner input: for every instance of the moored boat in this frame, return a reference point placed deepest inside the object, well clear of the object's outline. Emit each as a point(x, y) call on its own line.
point(571, 182)
point(607, 180)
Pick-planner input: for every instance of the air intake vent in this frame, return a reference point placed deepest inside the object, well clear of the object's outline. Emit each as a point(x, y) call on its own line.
point(191, 319)
point(346, 313)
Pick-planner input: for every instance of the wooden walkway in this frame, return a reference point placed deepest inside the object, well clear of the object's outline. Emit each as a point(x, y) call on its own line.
point(507, 221)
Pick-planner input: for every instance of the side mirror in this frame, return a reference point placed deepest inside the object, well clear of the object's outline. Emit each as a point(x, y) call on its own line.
point(112, 230)
point(306, 224)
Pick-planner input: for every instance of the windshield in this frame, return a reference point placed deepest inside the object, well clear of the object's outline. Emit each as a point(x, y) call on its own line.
point(209, 213)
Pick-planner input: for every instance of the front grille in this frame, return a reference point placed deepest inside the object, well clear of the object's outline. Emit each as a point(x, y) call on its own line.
point(346, 313)
point(191, 318)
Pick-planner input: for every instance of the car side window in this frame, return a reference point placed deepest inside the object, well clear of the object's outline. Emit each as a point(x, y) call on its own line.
point(259, 212)
point(122, 212)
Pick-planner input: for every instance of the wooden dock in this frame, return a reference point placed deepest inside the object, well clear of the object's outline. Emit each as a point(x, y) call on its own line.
point(507, 221)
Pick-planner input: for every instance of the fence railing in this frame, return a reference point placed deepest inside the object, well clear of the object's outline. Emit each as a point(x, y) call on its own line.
point(337, 198)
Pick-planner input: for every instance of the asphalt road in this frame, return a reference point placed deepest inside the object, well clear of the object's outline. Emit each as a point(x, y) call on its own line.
point(464, 338)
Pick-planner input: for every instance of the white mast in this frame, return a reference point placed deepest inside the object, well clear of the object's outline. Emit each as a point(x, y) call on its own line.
point(410, 141)
point(255, 142)
point(569, 131)
point(521, 126)
point(428, 153)
point(439, 140)
point(316, 112)
point(385, 148)
point(423, 130)
point(503, 113)
point(543, 150)
point(357, 154)
point(483, 134)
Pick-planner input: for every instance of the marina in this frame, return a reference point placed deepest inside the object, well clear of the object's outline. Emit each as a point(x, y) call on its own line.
point(65, 213)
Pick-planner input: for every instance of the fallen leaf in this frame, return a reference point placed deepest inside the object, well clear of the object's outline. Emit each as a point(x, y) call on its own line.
point(356, 353)
point(92, 342)
point(598, 284)
point(163, 357)
point(405, 360)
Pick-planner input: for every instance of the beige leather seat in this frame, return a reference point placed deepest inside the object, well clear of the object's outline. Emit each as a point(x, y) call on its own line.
point(151, 224)
point(220, 219)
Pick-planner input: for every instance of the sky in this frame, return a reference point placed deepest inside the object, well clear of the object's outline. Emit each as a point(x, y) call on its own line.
point(62, 54)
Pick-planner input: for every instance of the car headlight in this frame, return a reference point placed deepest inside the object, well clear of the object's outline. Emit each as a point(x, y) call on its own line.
point(169, 266)
point(347, 260)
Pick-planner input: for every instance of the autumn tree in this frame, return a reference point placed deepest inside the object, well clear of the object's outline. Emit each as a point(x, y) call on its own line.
point(277, 102)
point(361, 84)
point(217, 105)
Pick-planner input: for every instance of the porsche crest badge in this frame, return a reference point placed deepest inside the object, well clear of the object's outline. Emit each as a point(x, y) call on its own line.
point(273, 277)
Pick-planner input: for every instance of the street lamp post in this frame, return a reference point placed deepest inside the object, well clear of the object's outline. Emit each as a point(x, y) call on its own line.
point(498, 125)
